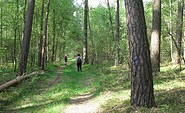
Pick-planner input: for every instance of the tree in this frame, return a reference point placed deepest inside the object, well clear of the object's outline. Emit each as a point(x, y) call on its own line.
point(170, 30)
point(85, 49)
point(15, 37)
point(155, 38)
point(44, 48)
point(92, 41)
point(117, 34)
point(1, 33)
point(41, 35)
point(26, 39)
point(179, 24)
point(54, 35)
point(110, 19)
point(142, 91)
point(24, 19)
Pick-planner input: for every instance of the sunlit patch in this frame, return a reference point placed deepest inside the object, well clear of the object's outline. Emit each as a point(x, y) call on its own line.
point(31, 104)
point(169, 85)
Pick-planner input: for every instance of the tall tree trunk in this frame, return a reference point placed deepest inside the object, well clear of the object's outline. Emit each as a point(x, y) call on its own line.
point(6, 37)
point(24, 20)
point(26, 38)
point(15, 37)
point(155, 38)
point(1, 33)
point(184, 49)
point(85, 49)
point(117, 34)
point(54, 36)
point(110, 19)
point(15, 48)
point(142, 91)
point(62, 47)
point(41, 36)
point(179, 24)
point(92, 42)
point(44, 48)
point(56, 48)
point(170, 28)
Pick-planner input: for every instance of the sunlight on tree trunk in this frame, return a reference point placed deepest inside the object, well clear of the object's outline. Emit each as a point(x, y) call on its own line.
point(85, 49)
point(41, 35)
point(44, 48)
point(170, 30)
point(155, 38)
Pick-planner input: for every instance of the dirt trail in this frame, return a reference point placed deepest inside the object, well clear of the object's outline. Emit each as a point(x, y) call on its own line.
point(54, 80)
point(83, 103)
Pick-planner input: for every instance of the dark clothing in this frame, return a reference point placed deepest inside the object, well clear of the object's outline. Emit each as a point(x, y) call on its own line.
point(79, 64)
point(65, 59)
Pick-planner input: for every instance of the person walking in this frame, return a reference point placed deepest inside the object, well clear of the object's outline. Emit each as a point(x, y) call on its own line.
point(65, 59)
point(79, 63)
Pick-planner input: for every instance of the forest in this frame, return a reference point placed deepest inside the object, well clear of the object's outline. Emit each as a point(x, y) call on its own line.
point(132, 51)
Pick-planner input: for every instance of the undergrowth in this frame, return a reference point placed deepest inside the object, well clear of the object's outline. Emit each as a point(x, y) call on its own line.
point(109, 85)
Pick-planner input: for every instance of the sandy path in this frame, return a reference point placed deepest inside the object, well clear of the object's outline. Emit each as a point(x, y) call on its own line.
point(83, 103)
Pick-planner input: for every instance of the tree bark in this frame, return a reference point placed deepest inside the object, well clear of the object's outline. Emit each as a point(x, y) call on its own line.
point(179, 24)
point(92, 42)
point(117, 34)
point(142, 91)
point(54, 36)
point(23, 21)
point(155, 38)
point(85, 49)
point(17, 80)
point(110, 19)
point(184, 49)
point(26, 39)
point(41, 36)
point(44, 48)
point(15, 37)
point(1, 33)
point(170, 28)
point(6, 54)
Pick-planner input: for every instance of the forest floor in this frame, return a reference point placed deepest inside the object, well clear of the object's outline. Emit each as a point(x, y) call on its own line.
point(97, 89)
point(82, 103)
point(54, 80)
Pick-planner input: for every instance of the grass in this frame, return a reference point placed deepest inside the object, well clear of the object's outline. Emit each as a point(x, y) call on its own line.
point(5, 75)
point(169, 88)
point(109, 85)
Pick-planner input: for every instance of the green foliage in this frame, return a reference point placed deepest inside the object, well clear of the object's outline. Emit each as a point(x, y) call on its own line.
point(111, 85)
point(68, 19)
point(6, 75)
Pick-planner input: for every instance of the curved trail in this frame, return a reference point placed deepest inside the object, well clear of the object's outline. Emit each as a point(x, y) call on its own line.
point(83, 103)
